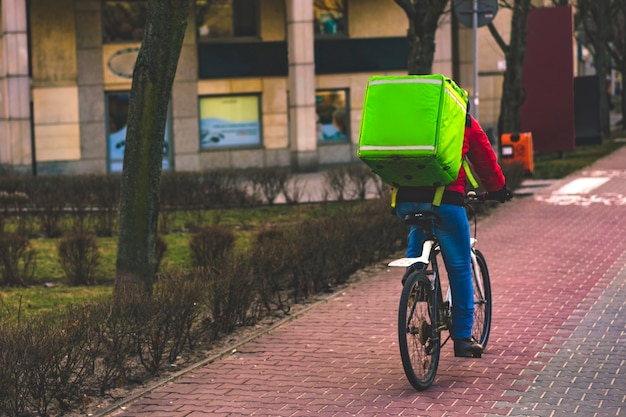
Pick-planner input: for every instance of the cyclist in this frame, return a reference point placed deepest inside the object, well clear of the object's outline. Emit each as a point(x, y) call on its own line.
point(453, 230)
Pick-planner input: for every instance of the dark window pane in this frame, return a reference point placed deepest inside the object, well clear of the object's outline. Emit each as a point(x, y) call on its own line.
point(245, 13)
point(123, 21)
point(227, 18)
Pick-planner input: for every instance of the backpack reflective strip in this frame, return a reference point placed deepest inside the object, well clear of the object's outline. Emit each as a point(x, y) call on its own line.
point(397, 148)
point(407, 81)
point(461, 105)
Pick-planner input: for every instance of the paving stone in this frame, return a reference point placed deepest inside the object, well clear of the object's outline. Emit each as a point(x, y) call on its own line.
point(557, 344)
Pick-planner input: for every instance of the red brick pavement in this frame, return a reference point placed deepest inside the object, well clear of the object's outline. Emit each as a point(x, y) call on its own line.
point(341, 358)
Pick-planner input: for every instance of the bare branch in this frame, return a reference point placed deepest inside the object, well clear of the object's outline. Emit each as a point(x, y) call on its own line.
point(407, 6)
point(496, 35)
point(505, 4)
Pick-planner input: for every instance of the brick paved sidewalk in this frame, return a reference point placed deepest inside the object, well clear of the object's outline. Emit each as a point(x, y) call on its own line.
point(556, 347)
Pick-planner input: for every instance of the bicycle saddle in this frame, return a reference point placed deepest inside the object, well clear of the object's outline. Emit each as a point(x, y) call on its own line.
point(421, 218)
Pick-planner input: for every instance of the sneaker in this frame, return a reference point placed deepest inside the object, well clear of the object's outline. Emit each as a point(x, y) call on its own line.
point(467, 348)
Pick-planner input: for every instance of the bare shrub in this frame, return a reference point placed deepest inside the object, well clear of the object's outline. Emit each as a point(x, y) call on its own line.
point(114, 347)
point(79, 258)
point(225, 189)
point(106, 200)
point(307, 262)
point(45, 362)
point(168, 322)
point(79, 201)
point(270, 258)
point(292, 190)
point(59, 359)
point(151, 335)
point(336, 181)
point(231, 295)
point(17, 260)
point(180, 296)
point(382, 189)
point(359, 176)
point(14, 380)
point(270, 182)
point(14, 205)
point(210, 244)
point(45, 194)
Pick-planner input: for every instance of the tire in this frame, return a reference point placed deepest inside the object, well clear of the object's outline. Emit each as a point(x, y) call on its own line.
point(419, 339)
point(482, 302)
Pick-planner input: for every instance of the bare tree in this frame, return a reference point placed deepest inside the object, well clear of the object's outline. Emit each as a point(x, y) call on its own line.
point(596, 18)
point(513, 94)
point(153, 76)
point(617, 47)
point(424, 16)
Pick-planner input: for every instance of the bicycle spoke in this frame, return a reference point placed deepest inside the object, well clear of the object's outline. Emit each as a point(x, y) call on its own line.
point(482, 301)
point(418, 339)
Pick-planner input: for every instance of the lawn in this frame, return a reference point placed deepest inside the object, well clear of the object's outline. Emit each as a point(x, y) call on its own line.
point(555, 166)
point(48, 290)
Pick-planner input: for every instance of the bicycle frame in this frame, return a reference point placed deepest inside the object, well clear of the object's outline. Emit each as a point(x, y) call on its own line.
point(427, 257)
point(424, 313)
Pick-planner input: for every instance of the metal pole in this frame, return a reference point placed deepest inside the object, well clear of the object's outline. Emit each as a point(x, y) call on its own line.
point(475, 33)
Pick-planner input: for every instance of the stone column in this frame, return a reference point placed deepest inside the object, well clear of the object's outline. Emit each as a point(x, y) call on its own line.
point(93, 135)
point(15, 125)
point(301, 84)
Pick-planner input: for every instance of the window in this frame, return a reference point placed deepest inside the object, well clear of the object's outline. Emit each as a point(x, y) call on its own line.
point(330, 17)
point(229, 121)
point(123, 21)
point(332, 115)
point(223, 19)
point(117, 121)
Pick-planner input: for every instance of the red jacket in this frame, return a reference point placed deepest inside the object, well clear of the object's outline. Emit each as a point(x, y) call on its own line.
point(484, 164)
point(483, 159)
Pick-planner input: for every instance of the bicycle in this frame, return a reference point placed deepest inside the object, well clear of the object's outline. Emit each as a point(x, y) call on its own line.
point(423, 314)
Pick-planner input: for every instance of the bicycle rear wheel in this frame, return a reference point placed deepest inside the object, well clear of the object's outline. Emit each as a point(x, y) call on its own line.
point(482, 301)
point(418, 331)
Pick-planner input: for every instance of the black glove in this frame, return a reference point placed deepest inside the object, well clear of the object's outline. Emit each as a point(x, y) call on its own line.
point(501, 195)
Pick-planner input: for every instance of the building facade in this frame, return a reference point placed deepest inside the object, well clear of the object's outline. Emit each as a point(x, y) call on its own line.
point(260, 83)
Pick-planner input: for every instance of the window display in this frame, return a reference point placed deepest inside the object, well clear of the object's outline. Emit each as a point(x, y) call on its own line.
point(330, 17)
point(332, 115)
point(227, 121)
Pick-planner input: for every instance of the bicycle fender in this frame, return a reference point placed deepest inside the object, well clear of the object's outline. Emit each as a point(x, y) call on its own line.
point(424, 258)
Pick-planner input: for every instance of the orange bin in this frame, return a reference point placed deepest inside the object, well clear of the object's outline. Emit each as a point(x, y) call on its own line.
point(518, 147)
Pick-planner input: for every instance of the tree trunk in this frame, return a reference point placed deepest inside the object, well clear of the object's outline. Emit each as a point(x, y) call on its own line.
point(149, 99)
point(421, 55)
point(513, 93)
point(623, 101)
point(602, 62)
point(596, 17)
point(423, 18)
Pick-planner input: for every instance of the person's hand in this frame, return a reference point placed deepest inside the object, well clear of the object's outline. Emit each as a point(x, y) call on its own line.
point(502, 195)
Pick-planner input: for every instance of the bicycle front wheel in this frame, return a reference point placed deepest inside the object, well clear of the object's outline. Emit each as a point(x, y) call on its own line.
point(482, 301)
point(418, 331)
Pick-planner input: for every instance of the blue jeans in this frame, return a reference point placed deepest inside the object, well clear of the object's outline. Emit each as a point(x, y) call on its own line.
point(453, 233)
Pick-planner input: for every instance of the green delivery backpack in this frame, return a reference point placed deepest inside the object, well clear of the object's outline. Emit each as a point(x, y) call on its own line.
point(412, 129)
